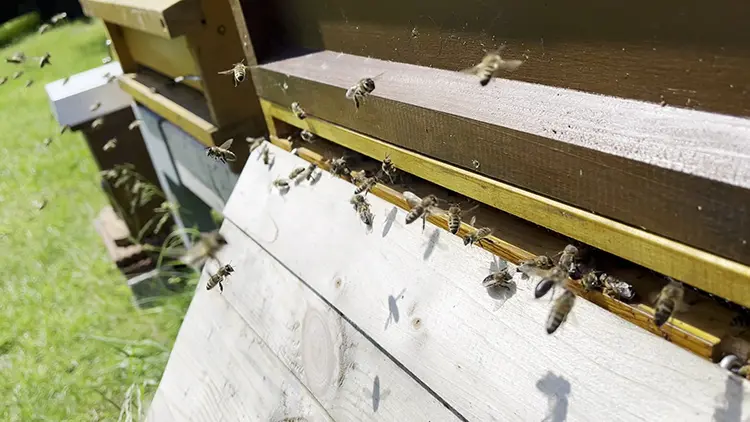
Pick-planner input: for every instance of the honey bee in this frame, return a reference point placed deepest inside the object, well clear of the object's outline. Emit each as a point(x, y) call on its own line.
point(254, 143)
point(222, 153)
point(388, 169)
point(669, 299)
point(65, 80)
point(477, 235)
point(296, 172)
point(44, 28)
point(361, 89)
point(64, 128)
point(366, 185)
point(47, 142)
point(616, 288)
point(134, 124)
point(307, 136)
point(206, 247)
point(590, 281)
point(17, 58)
point(567, 257)
point(182, 78)
point(491, 65)
point(220, 275)
point(96, 124)
point(555, 276)
point(29, 83)
point(423, 207)
point(363, 209)
point(358, 177)
point(109, 77)
point(281, 184)
point(308, 174)
point(239, 70)
point(106, 60)
point(111, 144)
point(500, 278)
point(44, 60)
point(58, 18)
point(560, 310)
point(3, 80)
point(339, 167)
point(265, 153)
point(95, 106)
point(454, 218)
point(536, 264)
point(297, 110)
point(17, 74)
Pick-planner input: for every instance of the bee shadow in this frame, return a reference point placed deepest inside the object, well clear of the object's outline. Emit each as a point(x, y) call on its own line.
point(389, 219)
point(317, 175)
point(557, 390)
point(393, 313)
point(431, 244)
point(730, 409)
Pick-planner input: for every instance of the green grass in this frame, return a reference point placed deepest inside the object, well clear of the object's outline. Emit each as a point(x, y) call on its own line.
point(71, 342)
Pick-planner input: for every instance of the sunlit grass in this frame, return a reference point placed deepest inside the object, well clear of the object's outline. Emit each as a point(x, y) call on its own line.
point(71, 342)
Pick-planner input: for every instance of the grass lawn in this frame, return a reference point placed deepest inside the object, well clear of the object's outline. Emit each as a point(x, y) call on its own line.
point(71, 342)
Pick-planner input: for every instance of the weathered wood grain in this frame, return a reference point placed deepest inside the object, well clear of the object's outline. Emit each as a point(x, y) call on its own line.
point(170, 57)
point(165, 18)
point(692, 55)
point(343, 370)
point(485, 354)
point(679, 173)
point(220, 369)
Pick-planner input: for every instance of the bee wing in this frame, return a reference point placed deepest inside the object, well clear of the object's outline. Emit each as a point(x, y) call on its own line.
point(509, 65)
point(412, 199)
point(376, 77)
point(229, 156)
point(473, 220)
point(227, 144)
point(226, 72)
point(471, 70)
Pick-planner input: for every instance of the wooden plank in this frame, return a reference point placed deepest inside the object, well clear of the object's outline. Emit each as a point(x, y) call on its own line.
point(488, 356)
point(243, 31)
point(171, 57)
point(711, 273)
point(220, 369)
point(348, 375)
point(687, 54)
point(164, 18)
point(120, 48)
point(677, 173)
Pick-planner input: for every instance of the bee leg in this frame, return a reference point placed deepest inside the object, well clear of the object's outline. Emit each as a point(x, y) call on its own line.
point(221, 287)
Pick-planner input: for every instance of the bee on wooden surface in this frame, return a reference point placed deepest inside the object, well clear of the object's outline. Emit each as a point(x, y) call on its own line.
point(44, 60)
point(222, 153)
point(239, 70)
point(591, 281)
point(567, 257)
point(361, 89)
point(96, 124)
point(339, 166)
point(363, 209)
point(220, 275)
point(308, 174)
point(205, 248)
point(266, 155)
point(55, 19)
point(29, 83)
point(134, 124)
point(560, 310)
point(111, 144)
point(307, 136)
point(477, 236)
point(669, 300)
point(254, 143)
point(555, 276)
point(491, 65)
point(366, 185)
point(297, 110)
point(358, 177)
point(44, 28)
point(47, 142)
point(3, 80)
point(420, 207)
point(500, 278)
point(296, 172)
point(17, 58)
point(95, 106)
point(454, 218)
point(616, 288)
point(281, 184)
point(387, 168)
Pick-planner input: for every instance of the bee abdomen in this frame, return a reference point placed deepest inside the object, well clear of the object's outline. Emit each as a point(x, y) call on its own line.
point(543, 287)
point(560, 311)
point(454, 223)
point(414, 214)
point(663, 311)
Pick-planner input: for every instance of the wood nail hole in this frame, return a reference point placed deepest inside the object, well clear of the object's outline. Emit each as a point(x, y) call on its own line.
point(416, 323)
point(338, 283)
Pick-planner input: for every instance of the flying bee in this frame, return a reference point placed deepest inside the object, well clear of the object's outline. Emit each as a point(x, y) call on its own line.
point(616, 288)
point(560, 310)
point(220, 275)
point(420, 207)
point(555, 276)
point(590, 281)
point(182, 78)
point(669, 299)
point(265, 153)
point(47, 141)
point(222, 153)
point(17, 58)
point(363, 209)
point(361, 89)
point(500, 278)
point(17, 74)
point(239, 70)
point(307, 136)
point(254, 143)
point(44, 60)
point(339, 167)
point(96, 124)
point(66, 79)
point(58, 18)
point(106, 60)
point(95, 106)
point(297, 110)
point(44, 28)
point(29, 83)
point(296, 172)
point(206, 247)
point(281, 184)
point(366, 185)
point(111, 144)
point(3, 80)
point(491, 65)
point(388, 169)
point(134, 124)
point(454, 218)
point(64, 128)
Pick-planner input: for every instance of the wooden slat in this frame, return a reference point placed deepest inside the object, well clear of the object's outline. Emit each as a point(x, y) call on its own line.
point(171, 57)
point(488, 356)
point(711, 273)
point(120, 48)
point(335, 362)
point(220, 366)
point(678, 173)
point(165, 18)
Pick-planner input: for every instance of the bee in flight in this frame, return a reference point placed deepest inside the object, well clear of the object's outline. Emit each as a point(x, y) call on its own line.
point(222, 153)
point(553, 277)
point(95, 106)
point(239, 70)
point(500, 278)
point(220, 275)
point(477, 235)
point(111, 144)
point(97, 123)
point(134, 124)
point(668, 300)
point(44, 28)
point(55, 19)
point(254, 143)
point(206, 247)
point(366, 185)
point(307, 136)
point(16, 74)
point(361, 89)
point(454, 217)
point(44, 60)
point(491, 65)
point(536, 265)
point(297, 110)
point(182, 78)
point(616, 288)
point(560, 310)
point(29, 83)
point(47, 141)
point(421, 207)
point(3, 80)
point(265, 154)
point(17, 58)
point(363, 209)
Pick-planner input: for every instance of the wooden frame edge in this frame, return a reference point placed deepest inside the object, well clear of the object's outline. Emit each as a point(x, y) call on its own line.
point(166, 22)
